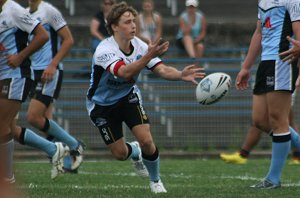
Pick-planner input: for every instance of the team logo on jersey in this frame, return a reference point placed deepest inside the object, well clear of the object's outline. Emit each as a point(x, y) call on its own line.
point(138, 57)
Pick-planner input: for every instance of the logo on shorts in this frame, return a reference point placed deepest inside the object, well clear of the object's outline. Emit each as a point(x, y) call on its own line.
point(270, 81)
point(4, 90)
point(105, 134)
point(100, 122)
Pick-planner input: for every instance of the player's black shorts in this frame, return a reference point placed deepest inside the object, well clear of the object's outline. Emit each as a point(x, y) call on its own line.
point(46, 92)
point(275, 75)
point(15, 88)
point(108, 119)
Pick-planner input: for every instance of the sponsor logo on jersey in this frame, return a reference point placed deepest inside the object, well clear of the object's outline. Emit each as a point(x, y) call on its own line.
point(105, 57)
point(27, 19)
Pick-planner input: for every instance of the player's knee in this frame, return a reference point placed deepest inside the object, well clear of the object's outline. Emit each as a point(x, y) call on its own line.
point(147, 146)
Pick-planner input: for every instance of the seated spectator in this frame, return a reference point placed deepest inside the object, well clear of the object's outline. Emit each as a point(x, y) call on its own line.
point(98, 23)
point(192, 30)
point(149, 23)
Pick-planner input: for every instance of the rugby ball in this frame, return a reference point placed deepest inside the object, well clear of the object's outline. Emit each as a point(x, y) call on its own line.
point(212, 88)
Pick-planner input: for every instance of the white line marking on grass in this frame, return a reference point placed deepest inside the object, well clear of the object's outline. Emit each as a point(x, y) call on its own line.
point(105, 187)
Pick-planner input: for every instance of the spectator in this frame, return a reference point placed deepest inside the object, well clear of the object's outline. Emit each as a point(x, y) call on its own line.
point(149, 23)
point(192, 30)
point(98, 23)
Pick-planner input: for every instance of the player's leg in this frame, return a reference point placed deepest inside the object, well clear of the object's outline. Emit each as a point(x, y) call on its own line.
point(9, 108)
point(41, 98)
point(296, 153)
point(251, 140)
point(137, 120)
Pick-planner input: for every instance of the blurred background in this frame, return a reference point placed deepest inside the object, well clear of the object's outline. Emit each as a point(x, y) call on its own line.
point(179, 123)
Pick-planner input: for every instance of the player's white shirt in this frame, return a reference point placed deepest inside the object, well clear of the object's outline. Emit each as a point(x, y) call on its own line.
point(276, 17)
point(15, 25)
point(105, 87)
point(52, 20)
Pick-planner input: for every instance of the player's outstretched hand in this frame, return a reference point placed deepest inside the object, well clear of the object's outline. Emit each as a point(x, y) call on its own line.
point(241, 82)
point(293, 52)
point(158, 47)
point(191, 73)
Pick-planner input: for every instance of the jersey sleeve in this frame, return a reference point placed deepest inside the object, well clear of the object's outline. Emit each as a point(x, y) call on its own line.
point(23, 20)
point(144, 48)
point(55, 18)
point(106, 58)
point(293, 7)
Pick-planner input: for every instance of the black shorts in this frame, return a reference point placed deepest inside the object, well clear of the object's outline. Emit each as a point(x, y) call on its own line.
point(275, 75)
point(108, 119)
point(46, 92)
point(15, 88)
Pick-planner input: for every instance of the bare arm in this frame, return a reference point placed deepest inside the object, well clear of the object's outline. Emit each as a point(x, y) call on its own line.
point(130, 70)
point(94, 29)
point(189, 73)
point(39, 39)
point(158, 33)
point(67, 42)
point(243, 76)
point(186, 28)
point(202, 34)
point(254, 48)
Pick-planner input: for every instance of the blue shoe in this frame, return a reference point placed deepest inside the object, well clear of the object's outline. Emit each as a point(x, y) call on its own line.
point(265, 184)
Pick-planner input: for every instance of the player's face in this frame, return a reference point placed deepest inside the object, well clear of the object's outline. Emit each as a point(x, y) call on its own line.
point(126, 27)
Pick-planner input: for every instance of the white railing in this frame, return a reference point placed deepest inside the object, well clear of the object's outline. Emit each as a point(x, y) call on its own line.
point(173, 5)
point(70, 4)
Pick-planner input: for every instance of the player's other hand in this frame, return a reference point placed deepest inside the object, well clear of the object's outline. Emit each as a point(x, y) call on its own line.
point(293, 52)
point(241, 82)
point(158, 48)
point(191, 73)
point(14, 60)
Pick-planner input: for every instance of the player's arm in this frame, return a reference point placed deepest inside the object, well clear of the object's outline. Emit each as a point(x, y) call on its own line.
point(254, 48)
point(39, 39)
point(132, 69)
point(94, 29)
point(189, 73)
point(66, 44)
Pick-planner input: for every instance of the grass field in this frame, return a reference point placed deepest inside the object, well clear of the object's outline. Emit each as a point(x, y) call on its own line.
point(182, 178)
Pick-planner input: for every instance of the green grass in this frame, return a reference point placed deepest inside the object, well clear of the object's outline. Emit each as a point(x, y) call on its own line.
point(182, 178)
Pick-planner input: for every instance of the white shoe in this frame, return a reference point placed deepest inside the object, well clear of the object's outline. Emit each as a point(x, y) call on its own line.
point(11, 180)
point(77, 156)
point(138, 165)
point(58, 159)
point(157, 187)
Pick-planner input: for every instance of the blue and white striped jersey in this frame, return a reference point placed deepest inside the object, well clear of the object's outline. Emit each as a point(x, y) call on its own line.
point(52, 20)
point(105, 88)
point(276, 17)
point(15, 25)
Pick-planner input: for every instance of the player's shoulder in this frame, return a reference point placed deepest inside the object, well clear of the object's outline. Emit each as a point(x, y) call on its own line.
point(48, 7)
point(12, 7)
point(269, 4)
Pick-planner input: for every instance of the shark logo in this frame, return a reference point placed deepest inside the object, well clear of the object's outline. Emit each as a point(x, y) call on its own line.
point(205, 85)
